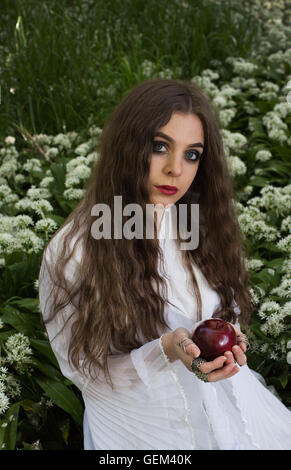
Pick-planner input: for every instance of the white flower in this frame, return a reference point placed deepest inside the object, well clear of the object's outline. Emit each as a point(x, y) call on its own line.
point(241, 66)
point(275, 126)
point(220, 101)
point(252, 223)
point(233, 140)
point(283, 109)
point(210, 74)
point(286, 310)
point(8, 243)
point(45, 182)
point(267, 308)
point(10, 199)
point(29, 241)
point(4, 402)
point(63, 141)
point(254, 264)
point(206, 85)
point(95, 131)
point(147, 68)
point(72, 164)
point(284, 289)
point(18, 351)
point(38, 193)
point(289, 357)
point(226, 116)
point(19, 178)
point(273, 326)
point(43, 139)
point(255, 297)
point(83, 149)
point(275, 199)
point(46, 225)
point(8, 168)
point(270, 86)
point(13, 387)
point(285, 244)
point(250, 107)
point(236, 166)
point(263, 155)
point(51, 153)
point(286, 224)
point(4, 190)
point(74, 193)
point(32, 165)
point(72, 181)
point(82, 172)
point(286, 265)
point(92, 157)
point(243, 83)
point(228, 91)
point(9, 140)
point(72, 136)
point(39, 207)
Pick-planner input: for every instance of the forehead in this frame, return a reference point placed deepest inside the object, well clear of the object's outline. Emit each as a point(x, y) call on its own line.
point(184, 127)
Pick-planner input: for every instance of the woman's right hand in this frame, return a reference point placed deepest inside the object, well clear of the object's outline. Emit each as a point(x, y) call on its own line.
point(221, 368)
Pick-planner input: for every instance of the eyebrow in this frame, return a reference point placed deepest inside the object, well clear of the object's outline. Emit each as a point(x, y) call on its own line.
point(167, 137)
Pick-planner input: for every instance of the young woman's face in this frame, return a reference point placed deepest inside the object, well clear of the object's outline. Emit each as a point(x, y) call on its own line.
point(175, 157)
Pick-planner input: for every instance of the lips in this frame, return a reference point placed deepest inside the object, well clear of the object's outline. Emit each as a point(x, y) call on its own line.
point(169, 190)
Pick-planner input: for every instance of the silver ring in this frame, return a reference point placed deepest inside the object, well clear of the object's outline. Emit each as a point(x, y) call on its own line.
point(182, 346)
point(242, 338)
point(195, 366)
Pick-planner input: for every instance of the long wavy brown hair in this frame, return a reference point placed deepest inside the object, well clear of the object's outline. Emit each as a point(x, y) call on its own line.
point(131, 293)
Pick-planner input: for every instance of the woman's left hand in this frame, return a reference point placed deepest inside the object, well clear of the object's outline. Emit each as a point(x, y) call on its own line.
point(238, 352)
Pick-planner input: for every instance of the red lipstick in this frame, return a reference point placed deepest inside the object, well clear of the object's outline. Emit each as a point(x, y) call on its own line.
point(169, 190)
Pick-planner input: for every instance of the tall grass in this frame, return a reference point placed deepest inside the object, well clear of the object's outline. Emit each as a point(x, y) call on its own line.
point(63, 61)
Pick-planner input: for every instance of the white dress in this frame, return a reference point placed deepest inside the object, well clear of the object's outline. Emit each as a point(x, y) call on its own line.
point(158, 405)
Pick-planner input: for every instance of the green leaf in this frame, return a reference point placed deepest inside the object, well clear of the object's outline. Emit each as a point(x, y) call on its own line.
point(44, 347)
point(275, 263)
point(31, 304)
point(277, 167)
point(259, 181)
point(26, 323)
point(267, 276)
point(283, 380)
point(8, 434)
point(63, 397)
point(48, 370)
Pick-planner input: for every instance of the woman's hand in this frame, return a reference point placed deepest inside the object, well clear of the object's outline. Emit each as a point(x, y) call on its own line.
point(240, 349)
point(221, 368)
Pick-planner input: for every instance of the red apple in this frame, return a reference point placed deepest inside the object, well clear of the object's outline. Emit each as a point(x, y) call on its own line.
point(213, 337)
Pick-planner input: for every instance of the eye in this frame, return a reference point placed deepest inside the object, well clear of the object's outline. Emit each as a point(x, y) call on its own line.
point(157, 144)
point(196, 154)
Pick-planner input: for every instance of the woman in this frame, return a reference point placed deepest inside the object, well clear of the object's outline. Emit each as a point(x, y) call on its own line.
point(120, 311)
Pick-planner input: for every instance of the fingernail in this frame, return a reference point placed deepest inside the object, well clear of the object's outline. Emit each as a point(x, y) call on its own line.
point(196, 352)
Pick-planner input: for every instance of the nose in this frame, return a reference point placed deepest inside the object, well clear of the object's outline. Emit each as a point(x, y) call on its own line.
point(174, 164)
